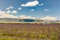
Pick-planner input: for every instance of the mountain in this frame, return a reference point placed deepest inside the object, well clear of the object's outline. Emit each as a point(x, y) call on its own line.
point(9, 20)
point(2, 20)
point(16, 20)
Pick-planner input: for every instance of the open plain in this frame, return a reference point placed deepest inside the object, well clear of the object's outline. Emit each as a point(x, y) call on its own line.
point(29, 31)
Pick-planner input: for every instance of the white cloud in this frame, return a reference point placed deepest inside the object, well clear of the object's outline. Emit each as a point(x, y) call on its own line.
point(2, 11)
point(3, 14)
point(33, 3)
point(7, 8)
point(8, 11)
point(19, 8)
point(32, 9)
point(41, 4)
point(25, 17)
point(14, 11)
point(48, 18)
point(46, 9)
point(10, 7)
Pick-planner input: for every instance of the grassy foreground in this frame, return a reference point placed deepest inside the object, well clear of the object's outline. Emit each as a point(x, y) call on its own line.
point(19, 31)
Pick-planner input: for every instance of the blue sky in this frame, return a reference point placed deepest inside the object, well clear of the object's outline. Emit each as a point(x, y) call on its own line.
point(31, 8)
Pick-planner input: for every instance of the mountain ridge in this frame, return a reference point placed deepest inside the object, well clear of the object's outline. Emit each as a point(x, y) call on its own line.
point(24, 20)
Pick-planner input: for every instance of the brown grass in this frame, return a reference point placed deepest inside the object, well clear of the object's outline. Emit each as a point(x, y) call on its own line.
point(28, 31)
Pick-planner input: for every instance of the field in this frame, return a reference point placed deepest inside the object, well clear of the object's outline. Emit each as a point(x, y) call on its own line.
point(28, 31)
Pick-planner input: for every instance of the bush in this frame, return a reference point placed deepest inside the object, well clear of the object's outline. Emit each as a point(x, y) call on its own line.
point(53, 37)
point(42, 36)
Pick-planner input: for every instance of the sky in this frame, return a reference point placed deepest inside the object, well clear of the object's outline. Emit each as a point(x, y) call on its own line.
point(43, 9)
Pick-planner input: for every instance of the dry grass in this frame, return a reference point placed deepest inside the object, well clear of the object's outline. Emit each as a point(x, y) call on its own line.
point(27, 31)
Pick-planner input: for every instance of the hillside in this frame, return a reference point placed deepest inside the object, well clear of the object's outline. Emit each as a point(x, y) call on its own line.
point(14, 20)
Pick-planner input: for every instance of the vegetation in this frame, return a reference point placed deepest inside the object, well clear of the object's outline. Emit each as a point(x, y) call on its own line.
point(29, 32)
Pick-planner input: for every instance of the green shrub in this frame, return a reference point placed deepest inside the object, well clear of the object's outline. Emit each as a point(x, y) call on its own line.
point(10, 38)
point(1, 39)
point(53, 37)
point(42, 36)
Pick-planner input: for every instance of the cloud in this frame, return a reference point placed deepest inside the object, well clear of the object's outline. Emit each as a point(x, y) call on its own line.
point(14, 11)
point(25, 17)
point(33, 3)
point(8, 11)
point(10, 7)
point(3, 14)
point(48, 18)
point(41, 4)
point(20, 8)
point(32, 9)
point(2, 11)
point(46, 9)
point(7, 8)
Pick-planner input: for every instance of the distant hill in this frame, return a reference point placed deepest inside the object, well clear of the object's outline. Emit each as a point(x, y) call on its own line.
point(9, 20)
point(23, 20)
